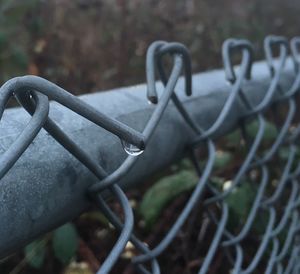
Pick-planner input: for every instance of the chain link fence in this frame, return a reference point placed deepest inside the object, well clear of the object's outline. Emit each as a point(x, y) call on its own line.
point(266, 240)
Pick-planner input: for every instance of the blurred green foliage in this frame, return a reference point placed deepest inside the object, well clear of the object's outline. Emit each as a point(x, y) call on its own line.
point(15, 26)
point(111, 42)
point(63, 242)
point(228, 158)
point(35, 253)
point(163, 192)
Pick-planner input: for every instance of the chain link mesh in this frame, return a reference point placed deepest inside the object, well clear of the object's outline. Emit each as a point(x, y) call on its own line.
point(274, 247)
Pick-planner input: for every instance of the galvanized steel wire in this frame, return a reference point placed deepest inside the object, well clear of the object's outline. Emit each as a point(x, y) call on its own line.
point(280, 210)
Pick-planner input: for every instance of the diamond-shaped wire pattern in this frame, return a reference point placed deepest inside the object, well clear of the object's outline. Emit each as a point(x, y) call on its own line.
point(266, 239)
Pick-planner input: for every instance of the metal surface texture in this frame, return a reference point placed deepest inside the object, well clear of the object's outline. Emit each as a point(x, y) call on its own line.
point(58, 157)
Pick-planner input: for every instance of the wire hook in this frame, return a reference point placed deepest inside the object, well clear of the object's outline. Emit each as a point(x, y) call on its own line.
point(294, 44)
point(269, 43)
point(228, 48)
point(154, 54)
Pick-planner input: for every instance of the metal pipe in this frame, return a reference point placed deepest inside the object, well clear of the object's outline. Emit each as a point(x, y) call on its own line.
point(48, 187)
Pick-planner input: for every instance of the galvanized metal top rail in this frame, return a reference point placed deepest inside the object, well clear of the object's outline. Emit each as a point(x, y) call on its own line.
point(46, 183)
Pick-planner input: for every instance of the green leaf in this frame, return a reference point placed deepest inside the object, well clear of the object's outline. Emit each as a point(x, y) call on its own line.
point(223, 158)
point(95, 216)
point(164, 191)
point(184, 164)
point(35, 253)
point(217, 182)
point(65, 243)
point(239, 202)
point(270, 132)
point(233, 138)
point(284, 153)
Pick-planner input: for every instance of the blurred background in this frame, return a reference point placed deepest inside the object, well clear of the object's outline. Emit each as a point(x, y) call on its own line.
point(90, 45)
